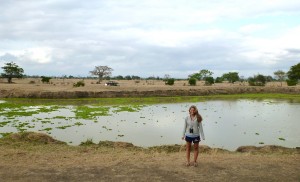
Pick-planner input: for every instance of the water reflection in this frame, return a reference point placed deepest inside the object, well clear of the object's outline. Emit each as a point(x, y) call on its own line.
point(227, 124)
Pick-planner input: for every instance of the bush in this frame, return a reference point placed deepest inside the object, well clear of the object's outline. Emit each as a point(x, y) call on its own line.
point(291, 82)
point(219, 80)
point(209, 81)
point(192, 81)
point(170, 81)
point(79, 84)
point(258, 80)
point(32, 82)
point(45, 79)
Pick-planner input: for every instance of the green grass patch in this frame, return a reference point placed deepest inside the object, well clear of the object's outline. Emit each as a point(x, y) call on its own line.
point(129, 108)
point(20, 102)
point(89, 112)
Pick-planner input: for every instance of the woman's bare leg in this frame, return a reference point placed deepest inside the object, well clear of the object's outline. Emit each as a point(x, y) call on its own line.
point(188, 151)
point(196, 152)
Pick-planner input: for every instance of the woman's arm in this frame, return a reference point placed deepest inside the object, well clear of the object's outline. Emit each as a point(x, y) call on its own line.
point(184, 129)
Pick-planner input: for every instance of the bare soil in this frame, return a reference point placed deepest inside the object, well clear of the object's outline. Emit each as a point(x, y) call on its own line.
point(65, 163)
point(47, 160)
point(63, 88)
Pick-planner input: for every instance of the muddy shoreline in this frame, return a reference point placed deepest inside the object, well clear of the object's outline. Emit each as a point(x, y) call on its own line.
point(203, 91)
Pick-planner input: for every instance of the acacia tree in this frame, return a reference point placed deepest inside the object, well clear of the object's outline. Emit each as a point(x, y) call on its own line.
point(280, 75)
point(202, 75)
point(12, 70)
point(101, 71)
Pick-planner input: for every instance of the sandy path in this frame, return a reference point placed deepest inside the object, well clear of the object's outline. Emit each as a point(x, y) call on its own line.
point(66, 163)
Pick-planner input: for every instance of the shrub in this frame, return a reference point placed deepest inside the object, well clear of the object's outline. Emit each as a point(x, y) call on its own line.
point(291, 82)
point(45, 79)
point(258, 80)
point(219, 80)
point(170, 81)
point(192, 81)
point(209, 80)
point(79, 84)
point(32, 82)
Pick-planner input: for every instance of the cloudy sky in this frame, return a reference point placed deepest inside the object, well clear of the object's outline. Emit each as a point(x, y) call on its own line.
point(150, 37)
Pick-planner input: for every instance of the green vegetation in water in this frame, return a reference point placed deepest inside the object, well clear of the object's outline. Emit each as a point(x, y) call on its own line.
point(59, 117)
point(78, 124)
point(89, 112)
point(2, 124)
point(47, 129)
point(281, 139)
point(13, 110)
point(18, 102)
point(129, 108)
point(64, 127)
point(5, 134)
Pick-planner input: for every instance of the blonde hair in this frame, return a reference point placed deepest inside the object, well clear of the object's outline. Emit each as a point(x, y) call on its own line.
point(199, 118)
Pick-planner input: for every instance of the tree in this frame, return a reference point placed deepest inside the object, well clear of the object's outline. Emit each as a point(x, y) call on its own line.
point(219, 79)
point(101, 72)
point(280, 75)
point(209, 80)
point(170, 81)
point(45, 79)
point(192, 81)
point(258, 80)
point(12, 70)
point(231, 77)
point(293, 75)
point(128, 77)
point(202, 74)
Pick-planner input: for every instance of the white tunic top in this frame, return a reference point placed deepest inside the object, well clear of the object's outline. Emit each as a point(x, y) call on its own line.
point(197, 127)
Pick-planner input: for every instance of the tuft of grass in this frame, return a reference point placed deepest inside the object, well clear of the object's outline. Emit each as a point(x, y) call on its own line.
point(88, 142)
point(32, 137)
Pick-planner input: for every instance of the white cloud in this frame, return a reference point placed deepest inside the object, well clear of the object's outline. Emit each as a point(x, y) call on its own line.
point(149, 37)
point(252, 28)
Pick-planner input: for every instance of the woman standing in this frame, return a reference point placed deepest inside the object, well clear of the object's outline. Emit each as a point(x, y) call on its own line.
point(192, 131)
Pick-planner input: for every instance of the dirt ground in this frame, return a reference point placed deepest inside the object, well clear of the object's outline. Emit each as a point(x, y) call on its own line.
point(66, 163)
point(63, 88)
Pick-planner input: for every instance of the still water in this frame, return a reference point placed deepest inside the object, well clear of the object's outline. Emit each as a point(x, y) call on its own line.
point(227, 124)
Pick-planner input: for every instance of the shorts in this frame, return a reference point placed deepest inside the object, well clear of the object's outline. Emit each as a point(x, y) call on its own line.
point(192, 139)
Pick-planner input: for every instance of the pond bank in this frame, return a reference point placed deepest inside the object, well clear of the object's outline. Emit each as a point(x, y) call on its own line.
point(38, 157)
point(188, 91)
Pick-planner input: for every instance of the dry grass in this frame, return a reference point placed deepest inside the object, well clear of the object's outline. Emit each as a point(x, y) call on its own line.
point(26, 161)
point(59, 88)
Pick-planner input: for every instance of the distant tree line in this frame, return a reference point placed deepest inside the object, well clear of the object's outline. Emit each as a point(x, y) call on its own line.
point(12, 70)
